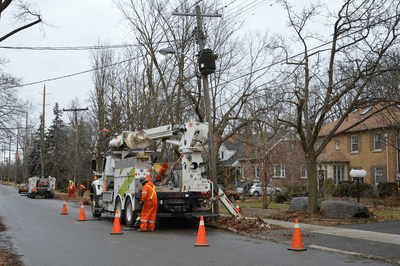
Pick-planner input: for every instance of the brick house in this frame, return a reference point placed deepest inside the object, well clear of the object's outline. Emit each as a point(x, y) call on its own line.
point(280, 163)
point(371, 145)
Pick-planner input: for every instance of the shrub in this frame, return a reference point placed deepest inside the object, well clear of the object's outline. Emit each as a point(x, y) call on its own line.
point(280, 198)
point(328, 188)
point(388, 189)
point(345, 189)
point(297, 190)
point(365, 190)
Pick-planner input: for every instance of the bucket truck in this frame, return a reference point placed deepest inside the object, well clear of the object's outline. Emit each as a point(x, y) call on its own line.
point(183, 188)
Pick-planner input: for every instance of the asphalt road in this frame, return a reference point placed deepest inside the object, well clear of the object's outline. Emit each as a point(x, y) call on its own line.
point(42, 236)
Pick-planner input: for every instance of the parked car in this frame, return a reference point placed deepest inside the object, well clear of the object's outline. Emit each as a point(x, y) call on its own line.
point(23, 188)
point(256, 190)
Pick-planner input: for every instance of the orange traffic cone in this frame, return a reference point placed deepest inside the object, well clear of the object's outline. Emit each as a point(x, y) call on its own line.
point(64, 209)
point(201, 235)
point(82, 214)
point(237, 207)
point(297, 244)
point(117, 226)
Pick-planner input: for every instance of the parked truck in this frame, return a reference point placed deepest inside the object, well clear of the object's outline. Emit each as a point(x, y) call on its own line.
point(183, 187)
point(41, 186)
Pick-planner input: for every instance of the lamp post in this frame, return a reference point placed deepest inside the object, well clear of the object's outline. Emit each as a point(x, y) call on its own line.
point(357, 175)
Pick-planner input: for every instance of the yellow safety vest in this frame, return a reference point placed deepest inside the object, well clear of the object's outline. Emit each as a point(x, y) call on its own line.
point(154, 191)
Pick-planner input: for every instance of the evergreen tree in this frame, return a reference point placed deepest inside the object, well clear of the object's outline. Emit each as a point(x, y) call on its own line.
point(34, 160)
point(56, 147)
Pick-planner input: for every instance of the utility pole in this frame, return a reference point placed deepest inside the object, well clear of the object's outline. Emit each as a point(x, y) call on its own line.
point(43, 126)
point(75, 110)
point(25, 174)
point(16, 159)
point(201, 40)
point(9, 161)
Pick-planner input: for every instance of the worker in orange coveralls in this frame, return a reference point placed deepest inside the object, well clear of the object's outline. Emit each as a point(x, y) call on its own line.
point(83, 188)
point(71, 189)
point(149, 210)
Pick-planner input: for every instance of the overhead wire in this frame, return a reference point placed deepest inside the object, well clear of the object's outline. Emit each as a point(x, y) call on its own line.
point(223, 83)
point(69, 48)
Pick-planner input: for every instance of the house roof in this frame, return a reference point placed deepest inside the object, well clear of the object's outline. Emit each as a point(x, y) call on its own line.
point(387, 117)
point(333, 157)
point(236, 145)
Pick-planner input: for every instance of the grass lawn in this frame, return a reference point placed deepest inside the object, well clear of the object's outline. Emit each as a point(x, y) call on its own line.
point(256, 203)
point(388, 215)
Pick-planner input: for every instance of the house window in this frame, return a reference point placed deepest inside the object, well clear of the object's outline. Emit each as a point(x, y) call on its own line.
point(303, 171)
point(379, 174)
point(279, 170)
point(378, 143)
point(338, 173)
point(222, 155)
point(337, 145)
point(256, 171)
point(354, 143)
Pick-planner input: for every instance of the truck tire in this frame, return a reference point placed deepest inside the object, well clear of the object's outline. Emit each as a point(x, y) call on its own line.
point(95, 203)
point(118, 206)
point(130, 216)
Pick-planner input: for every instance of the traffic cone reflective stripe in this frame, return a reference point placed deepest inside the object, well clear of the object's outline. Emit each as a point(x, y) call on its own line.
point(64, 209)
point(237, 207)
point(297, 244)
point(116, 226)
point(201, 235)
point(82, 213)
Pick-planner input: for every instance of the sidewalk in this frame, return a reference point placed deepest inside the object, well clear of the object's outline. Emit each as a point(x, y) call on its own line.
point(377, 241)
point(354, 242)
point(336, 231)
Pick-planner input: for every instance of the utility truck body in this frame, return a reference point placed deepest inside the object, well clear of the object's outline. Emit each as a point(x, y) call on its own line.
point(41, 186)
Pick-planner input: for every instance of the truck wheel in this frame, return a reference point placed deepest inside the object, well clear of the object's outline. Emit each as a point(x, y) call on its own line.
point(130, 216)
point(95, 204)
point(118, 206)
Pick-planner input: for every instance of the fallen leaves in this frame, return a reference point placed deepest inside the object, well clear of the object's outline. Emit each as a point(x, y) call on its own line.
point(247, 226)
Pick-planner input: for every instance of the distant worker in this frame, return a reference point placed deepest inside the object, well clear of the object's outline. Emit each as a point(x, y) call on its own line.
point(71, 189)
point(149, 210)
point(83, 188)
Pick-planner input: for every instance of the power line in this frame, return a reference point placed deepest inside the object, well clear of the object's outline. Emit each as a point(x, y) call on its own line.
point(71, 75)
point(69, 48)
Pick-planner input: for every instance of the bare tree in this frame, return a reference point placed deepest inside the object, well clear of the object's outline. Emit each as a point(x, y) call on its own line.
point(12, 109)
point(25, 16)
point(330, 80)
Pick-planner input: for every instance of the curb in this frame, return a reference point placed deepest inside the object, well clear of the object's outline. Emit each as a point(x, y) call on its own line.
point(358, 254)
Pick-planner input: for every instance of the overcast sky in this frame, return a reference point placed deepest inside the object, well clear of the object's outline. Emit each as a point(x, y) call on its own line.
point(84, 23)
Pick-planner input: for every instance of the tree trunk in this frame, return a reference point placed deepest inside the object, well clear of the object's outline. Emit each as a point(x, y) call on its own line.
point(312, 185)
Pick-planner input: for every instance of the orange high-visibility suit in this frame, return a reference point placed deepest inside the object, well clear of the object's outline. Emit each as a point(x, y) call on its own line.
point(71, 189)
point(83, 188)
point(149, 211)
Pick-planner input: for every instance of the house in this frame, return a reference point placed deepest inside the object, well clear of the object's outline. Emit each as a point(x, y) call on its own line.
point(281, 162)
point(229, 154)
point(371, 144)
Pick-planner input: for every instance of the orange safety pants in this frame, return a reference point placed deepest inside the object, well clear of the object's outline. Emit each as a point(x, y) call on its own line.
point(148, 217)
